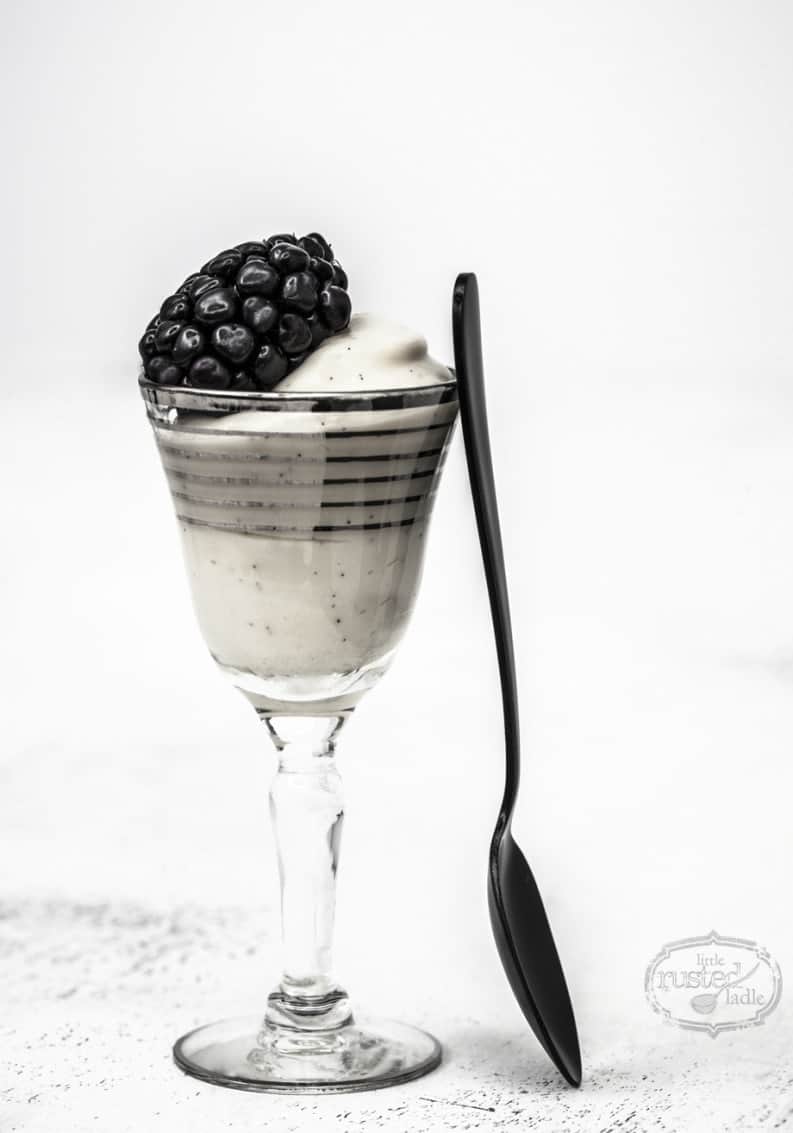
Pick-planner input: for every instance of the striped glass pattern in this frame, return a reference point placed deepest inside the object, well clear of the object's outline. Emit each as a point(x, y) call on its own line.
point(303, 523)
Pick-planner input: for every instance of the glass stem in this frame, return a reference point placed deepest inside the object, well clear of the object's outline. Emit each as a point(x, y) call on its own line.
point(307, 811)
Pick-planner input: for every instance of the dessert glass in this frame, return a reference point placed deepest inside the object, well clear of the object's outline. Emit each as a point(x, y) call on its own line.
point(303, 521)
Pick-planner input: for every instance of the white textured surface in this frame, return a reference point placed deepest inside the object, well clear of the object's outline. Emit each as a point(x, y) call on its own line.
point(100, 990)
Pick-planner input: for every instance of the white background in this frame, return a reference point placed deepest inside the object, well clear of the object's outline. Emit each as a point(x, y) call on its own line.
point(620, 176)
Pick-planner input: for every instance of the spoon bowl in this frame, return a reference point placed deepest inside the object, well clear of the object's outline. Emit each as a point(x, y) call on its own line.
point(528, 953)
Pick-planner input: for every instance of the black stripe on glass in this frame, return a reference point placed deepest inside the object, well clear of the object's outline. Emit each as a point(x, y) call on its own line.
point(256, 529)
point(276, 506)
point(320, 434)
point(254, 481)
point(296, 458)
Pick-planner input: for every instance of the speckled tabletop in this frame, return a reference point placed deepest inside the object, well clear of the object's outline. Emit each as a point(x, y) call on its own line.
point(99, 990)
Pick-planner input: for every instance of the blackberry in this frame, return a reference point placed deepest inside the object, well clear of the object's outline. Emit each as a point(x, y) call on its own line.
point(187, 282)
point(280, 238)
point(176, 307)
point(251, 248)
point(314, 240)
point(319, 332)
point(225, 264)
point(165, 335)
point(207, 372)
point(294, 334)
point(287, 258)
point(299, 291)
point(334, 307)
point(188, 345)
point(270, 366)
point(147, 345)
point(201, 283)
point(257, 277)
point(250, 316)
point(233, 342)
point(216, 306)
point(259, 314)
point(321, 269)
point(163, 371)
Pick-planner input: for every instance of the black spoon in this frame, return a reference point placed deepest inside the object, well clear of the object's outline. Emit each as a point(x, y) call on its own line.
point(520, 926)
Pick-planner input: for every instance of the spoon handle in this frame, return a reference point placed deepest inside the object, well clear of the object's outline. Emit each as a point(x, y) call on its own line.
point(473, 410)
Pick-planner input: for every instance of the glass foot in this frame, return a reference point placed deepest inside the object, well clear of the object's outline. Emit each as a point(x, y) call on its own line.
point(243, 1054)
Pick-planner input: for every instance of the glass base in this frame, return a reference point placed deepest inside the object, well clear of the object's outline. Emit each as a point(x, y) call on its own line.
point(243, 1055)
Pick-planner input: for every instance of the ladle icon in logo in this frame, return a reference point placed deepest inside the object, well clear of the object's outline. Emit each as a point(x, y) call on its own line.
point(707, 1000)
